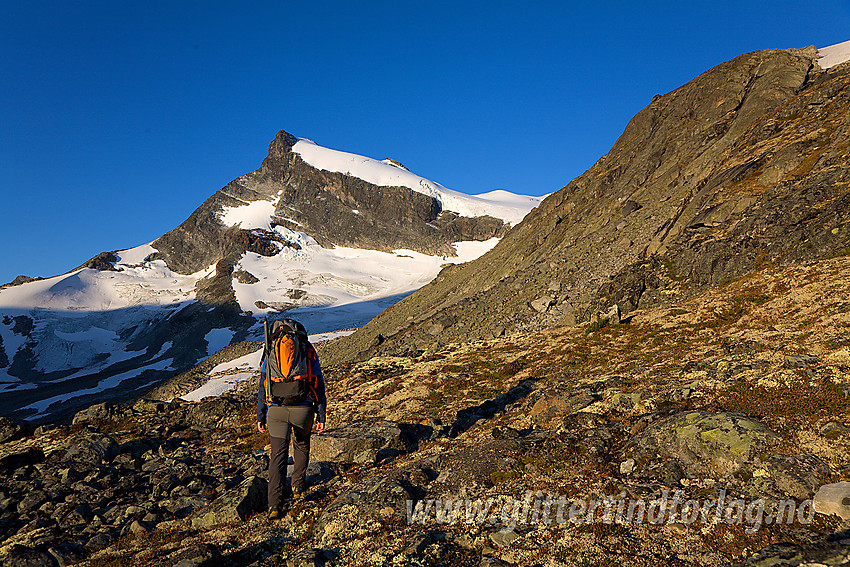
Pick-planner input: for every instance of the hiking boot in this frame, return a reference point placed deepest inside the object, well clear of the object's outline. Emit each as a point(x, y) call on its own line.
point(275, 514)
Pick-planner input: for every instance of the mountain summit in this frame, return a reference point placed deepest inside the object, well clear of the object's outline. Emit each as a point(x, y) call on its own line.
point(336, 236)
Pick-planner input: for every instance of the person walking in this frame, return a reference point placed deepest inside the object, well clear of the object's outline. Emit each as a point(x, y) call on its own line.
point(291, 393)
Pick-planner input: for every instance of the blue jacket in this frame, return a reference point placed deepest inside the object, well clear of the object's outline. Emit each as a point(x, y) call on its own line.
point(321, 404)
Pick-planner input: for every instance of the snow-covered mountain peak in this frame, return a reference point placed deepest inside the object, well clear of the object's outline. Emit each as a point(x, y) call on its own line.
point(296, 236)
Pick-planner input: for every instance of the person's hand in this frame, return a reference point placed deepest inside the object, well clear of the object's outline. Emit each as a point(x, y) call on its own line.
point(320, 426)
point(261, 427)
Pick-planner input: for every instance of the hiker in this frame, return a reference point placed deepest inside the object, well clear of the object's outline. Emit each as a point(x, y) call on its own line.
point(291, 391)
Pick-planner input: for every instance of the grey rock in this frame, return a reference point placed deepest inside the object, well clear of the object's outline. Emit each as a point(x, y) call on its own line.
point(794, 476)
point(794, 361)
point(67, 553)
point(11, 429)
point(91, 448)
point(834, 499)
point(310, 557)
point(503, 538)
point(137, 527)
point(613, 315)
point(98, 542)
point(21, 458)
point(542, 304)
point(194, 556)
point(629, 207)
point(236, 505)
point(834, 430)
point(21, 556)
point(98, 412)
point(364, 441)
point(31, 501)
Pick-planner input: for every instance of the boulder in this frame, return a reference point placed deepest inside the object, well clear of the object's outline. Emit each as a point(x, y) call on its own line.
point(790, 476)
point(11, 429)
point(834, 499)
point(216, 413)
point(310, 557)
point(364, 441)
point(542, 304)
point(194, 556)
point(549, 411)
point(798, 361)
point(91, 448)
point(704, 444)
point(235, 505)
point(98, 412)
point(21, 556)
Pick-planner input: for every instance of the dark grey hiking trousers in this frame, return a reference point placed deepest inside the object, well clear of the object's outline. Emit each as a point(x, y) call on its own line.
point(283, 422)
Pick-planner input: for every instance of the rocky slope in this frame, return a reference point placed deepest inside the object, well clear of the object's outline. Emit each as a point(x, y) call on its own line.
point(291, 235)
point(746, 165)
point(736, 393)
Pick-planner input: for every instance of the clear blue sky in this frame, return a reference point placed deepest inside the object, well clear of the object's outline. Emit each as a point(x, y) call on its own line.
point(119, 118)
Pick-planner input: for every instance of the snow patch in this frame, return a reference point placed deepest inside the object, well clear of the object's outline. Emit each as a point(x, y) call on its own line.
point(134, 256)
point(42, 406)
point(243, 362)
point(257, 214)
point(217, 386)
point(321, 337)
point(834, 55)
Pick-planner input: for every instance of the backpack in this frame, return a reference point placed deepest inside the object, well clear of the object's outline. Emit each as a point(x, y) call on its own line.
point(289, 360)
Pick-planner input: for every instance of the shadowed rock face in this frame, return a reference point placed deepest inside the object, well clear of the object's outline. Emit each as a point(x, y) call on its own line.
point(323, 205)
point(745, 165)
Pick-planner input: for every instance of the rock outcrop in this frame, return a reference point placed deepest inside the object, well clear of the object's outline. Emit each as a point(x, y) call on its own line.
point(743, 167)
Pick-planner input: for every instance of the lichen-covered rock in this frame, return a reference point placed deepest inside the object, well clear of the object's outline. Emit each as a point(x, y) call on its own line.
point(705, 444)
point(98, 412)
point(789, 476)
point(364, 441)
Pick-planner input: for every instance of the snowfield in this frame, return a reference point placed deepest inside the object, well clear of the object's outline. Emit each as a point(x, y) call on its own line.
point(834, 55)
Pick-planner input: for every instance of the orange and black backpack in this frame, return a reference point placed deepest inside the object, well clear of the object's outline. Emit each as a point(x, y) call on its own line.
point(290, 359)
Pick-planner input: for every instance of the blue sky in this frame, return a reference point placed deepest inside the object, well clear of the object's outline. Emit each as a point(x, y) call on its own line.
point(119, 118)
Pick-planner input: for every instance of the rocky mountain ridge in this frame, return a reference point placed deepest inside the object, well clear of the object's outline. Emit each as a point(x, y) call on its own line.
point(744, 166)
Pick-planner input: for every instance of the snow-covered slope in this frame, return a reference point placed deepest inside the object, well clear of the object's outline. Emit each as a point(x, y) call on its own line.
point(504, 205)
point(834, 55)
